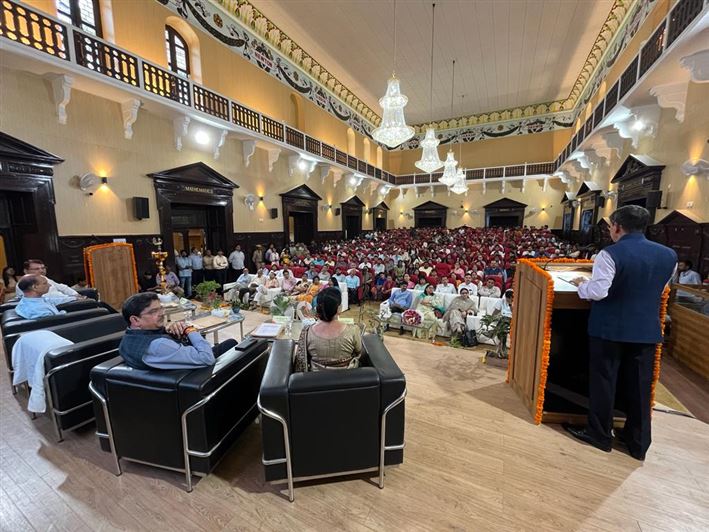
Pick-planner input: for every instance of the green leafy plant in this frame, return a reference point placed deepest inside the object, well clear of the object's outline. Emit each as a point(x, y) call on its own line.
point(279, 305)
point(496, 327)
point(207, 294)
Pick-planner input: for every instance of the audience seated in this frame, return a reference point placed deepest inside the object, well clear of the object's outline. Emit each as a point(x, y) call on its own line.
point(329, 343)
point(685, 274)
point(456, 314)
point(33, 305)
point(489, 289)
point(9, 284)
point(352, 281)
point(149, 344)
point(60, 293)
point(430, 306)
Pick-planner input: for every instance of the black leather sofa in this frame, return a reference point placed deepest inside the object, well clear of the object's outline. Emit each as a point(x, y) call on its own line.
point(12, 325)
point(329, 423)
point(67, 369)
point(183, 420)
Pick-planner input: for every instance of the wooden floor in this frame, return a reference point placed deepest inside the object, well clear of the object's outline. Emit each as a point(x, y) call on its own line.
point(473, 461)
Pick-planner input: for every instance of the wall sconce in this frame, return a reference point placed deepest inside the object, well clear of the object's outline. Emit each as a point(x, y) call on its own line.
point(260, 198)
point(104, 181)
point(699, 168)
point(401, 213)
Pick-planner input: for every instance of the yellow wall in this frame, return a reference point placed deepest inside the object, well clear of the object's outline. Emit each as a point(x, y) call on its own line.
point(92, 141)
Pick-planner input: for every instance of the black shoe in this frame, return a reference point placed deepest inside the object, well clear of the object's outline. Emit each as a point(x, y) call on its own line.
point(580, 433)
point(386, 327)
point(401, 331)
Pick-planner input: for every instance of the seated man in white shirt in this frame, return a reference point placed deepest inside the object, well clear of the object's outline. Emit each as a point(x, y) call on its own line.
point(148, 344)
point(489, 289)
point(444, 287)
point(58, 292)
point(469, 284)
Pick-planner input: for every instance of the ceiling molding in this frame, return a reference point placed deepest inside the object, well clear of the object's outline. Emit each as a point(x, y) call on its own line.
point(261, 42)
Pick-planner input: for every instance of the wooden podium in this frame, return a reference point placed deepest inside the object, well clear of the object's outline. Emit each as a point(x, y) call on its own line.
point(548, 365)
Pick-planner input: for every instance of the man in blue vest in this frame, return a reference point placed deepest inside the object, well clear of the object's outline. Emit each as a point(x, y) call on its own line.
point(624, 328)
point(148, 344)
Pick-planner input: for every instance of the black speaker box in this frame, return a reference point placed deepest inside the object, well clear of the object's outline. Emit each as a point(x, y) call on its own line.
point(600, 201)
point(274, 214)
point(654, 198)
point(337, 212)
point(140, 207)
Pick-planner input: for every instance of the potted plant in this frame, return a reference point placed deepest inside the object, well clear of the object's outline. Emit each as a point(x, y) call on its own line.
point(279, 305)
point(496, 327)
point(207, 294)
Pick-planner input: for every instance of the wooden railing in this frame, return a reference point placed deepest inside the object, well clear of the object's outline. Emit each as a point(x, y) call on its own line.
point(36, 30)
point(210, 102)
point(105, 59)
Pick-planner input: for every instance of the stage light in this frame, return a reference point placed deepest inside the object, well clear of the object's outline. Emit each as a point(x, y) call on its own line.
point(201, 137)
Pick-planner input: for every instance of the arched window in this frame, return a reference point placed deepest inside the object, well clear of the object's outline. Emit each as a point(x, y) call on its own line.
point(178, 53)
point(84, 14)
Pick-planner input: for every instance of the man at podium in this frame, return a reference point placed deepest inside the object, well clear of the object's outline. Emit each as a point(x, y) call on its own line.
point(626, 288)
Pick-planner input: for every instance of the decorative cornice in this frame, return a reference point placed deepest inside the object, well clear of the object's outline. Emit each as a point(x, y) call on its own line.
point(251, 34)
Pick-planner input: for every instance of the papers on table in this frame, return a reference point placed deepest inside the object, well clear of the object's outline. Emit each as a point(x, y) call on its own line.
point(562, 280)
point(268, 330)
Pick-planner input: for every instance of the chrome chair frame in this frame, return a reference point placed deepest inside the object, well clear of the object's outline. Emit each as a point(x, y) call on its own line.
point(53, 412)
point(186, 451)
point(289, 465)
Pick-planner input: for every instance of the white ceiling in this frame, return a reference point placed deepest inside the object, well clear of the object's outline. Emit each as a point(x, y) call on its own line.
point(508, 53)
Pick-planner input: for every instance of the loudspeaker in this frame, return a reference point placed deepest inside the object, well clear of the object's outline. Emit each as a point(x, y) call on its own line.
point(337, 212)
point(140, 207)
point(274, 214)
point(600, 201)
point(654, 198)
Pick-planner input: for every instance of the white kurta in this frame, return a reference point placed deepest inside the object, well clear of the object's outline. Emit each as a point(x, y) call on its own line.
point(28, 362)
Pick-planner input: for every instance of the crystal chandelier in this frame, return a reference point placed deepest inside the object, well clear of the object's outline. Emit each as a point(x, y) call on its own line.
point(460, 186)
point(430, 160)
point(449, 174)
point(393, 129)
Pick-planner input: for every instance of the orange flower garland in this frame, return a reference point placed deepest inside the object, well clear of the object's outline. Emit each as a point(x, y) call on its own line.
point(658, 349)
point(89, 261)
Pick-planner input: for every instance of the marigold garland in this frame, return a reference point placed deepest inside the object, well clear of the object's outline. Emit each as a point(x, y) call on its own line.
point(658, 349)
point(89, 261)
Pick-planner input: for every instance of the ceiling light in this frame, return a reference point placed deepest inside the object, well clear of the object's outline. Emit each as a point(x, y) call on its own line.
point(201, 137)
point(430, 160)
point(460, 185)
point(393, 129)
point(638, 125)
point(449, 174)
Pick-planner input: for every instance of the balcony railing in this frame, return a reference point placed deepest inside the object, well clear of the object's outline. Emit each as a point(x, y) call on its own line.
point(678, 20)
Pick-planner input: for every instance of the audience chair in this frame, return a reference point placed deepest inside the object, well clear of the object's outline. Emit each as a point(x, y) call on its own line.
point(331, 423)
point(181, 420)
point(8, 305)
point(67, 369)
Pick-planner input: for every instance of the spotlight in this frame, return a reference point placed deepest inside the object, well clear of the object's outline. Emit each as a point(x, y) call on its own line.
point(302, 165)
point(201, 137)
point(638, 125)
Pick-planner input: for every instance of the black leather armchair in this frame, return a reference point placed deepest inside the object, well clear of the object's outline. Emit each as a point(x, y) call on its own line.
point(184, 420)
point(13, 325)
point(329, 423)
point(67, 369)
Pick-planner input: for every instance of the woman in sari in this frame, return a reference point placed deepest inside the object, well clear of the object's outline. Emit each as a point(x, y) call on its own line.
point(457, 313)
point(428, 304)
point(311, 291)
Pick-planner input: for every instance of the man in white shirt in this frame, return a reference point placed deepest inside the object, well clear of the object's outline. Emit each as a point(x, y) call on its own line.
point(469, 285)
point(58, 293)
point(489, 289)
point(685, 273)
point(444, 287)
point(236, 259)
